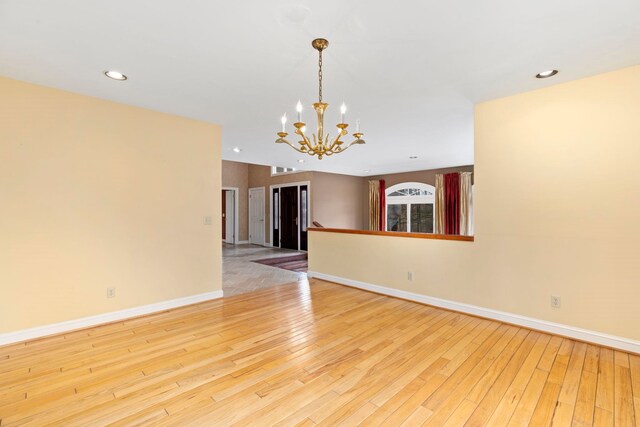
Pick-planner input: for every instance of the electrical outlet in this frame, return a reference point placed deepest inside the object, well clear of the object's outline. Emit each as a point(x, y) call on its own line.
point(555, 301)
point(111, 292)
point(409, 275)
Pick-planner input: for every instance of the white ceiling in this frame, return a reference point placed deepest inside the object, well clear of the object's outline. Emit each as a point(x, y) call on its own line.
point(410, 70)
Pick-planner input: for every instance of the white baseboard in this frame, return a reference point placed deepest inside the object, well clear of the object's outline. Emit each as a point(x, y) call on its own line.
point(515, 319)
point(242, 242)
point(85, 322)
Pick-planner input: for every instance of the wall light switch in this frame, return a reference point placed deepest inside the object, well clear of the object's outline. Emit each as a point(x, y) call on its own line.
point(207, 220)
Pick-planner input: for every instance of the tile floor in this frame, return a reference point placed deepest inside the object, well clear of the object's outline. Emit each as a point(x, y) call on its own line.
point(240, 275)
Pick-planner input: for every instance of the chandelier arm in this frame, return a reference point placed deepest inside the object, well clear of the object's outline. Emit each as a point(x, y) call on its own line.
point(354, 142)
point(335, 141)
point(333, 145)
point(282, 140)
point(305, 140)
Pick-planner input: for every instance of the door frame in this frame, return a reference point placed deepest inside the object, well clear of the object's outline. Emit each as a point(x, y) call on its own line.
point(264, 196)
point(289, 184)
point(235, 213)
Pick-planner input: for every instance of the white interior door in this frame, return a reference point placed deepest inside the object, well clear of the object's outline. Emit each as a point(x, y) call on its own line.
point(230, 216)
point(256, 216)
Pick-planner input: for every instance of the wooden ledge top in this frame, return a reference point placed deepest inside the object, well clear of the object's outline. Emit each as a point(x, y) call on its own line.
point(395, 234)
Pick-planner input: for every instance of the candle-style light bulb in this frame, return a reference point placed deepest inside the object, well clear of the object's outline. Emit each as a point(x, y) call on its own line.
point(299, 110)
point(283, 120)
point(343, 111)
point(357, 125)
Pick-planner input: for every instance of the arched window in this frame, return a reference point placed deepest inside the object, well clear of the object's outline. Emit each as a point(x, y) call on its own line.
point(410, 207)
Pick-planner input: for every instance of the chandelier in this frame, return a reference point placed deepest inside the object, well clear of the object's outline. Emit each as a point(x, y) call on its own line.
point(321, 145)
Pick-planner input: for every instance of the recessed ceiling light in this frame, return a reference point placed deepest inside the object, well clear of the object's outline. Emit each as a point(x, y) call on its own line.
point(236, 149)
point(300, 161)
point(413, 157)
point(115, 75)
point(545, 74)
point(367, 171)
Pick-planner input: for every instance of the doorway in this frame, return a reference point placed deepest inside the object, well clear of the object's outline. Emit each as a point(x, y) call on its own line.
point(290, 212)
point(224, 215)
point(256, 216)
point(229, 215)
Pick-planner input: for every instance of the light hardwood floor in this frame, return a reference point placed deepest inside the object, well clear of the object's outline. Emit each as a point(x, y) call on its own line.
point(324, 354)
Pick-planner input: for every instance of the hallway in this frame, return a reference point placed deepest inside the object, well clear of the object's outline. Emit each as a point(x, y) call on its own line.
point(240, 275)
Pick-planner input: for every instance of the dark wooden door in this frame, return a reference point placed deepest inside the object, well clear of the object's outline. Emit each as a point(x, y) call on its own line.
point(289, 217)
point(224, 215)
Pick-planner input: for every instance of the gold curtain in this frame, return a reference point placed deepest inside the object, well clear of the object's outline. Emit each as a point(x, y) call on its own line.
point(374, 205)
point(439, 214)
point(466, 207)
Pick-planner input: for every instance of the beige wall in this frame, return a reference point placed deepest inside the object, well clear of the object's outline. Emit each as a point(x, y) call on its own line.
point(425, 177)
point(96, 194)
point(556, 212)
point(337, 200)
point(236, 174)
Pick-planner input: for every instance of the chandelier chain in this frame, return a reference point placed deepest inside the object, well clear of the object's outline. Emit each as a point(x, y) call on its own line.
point(320, 76)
